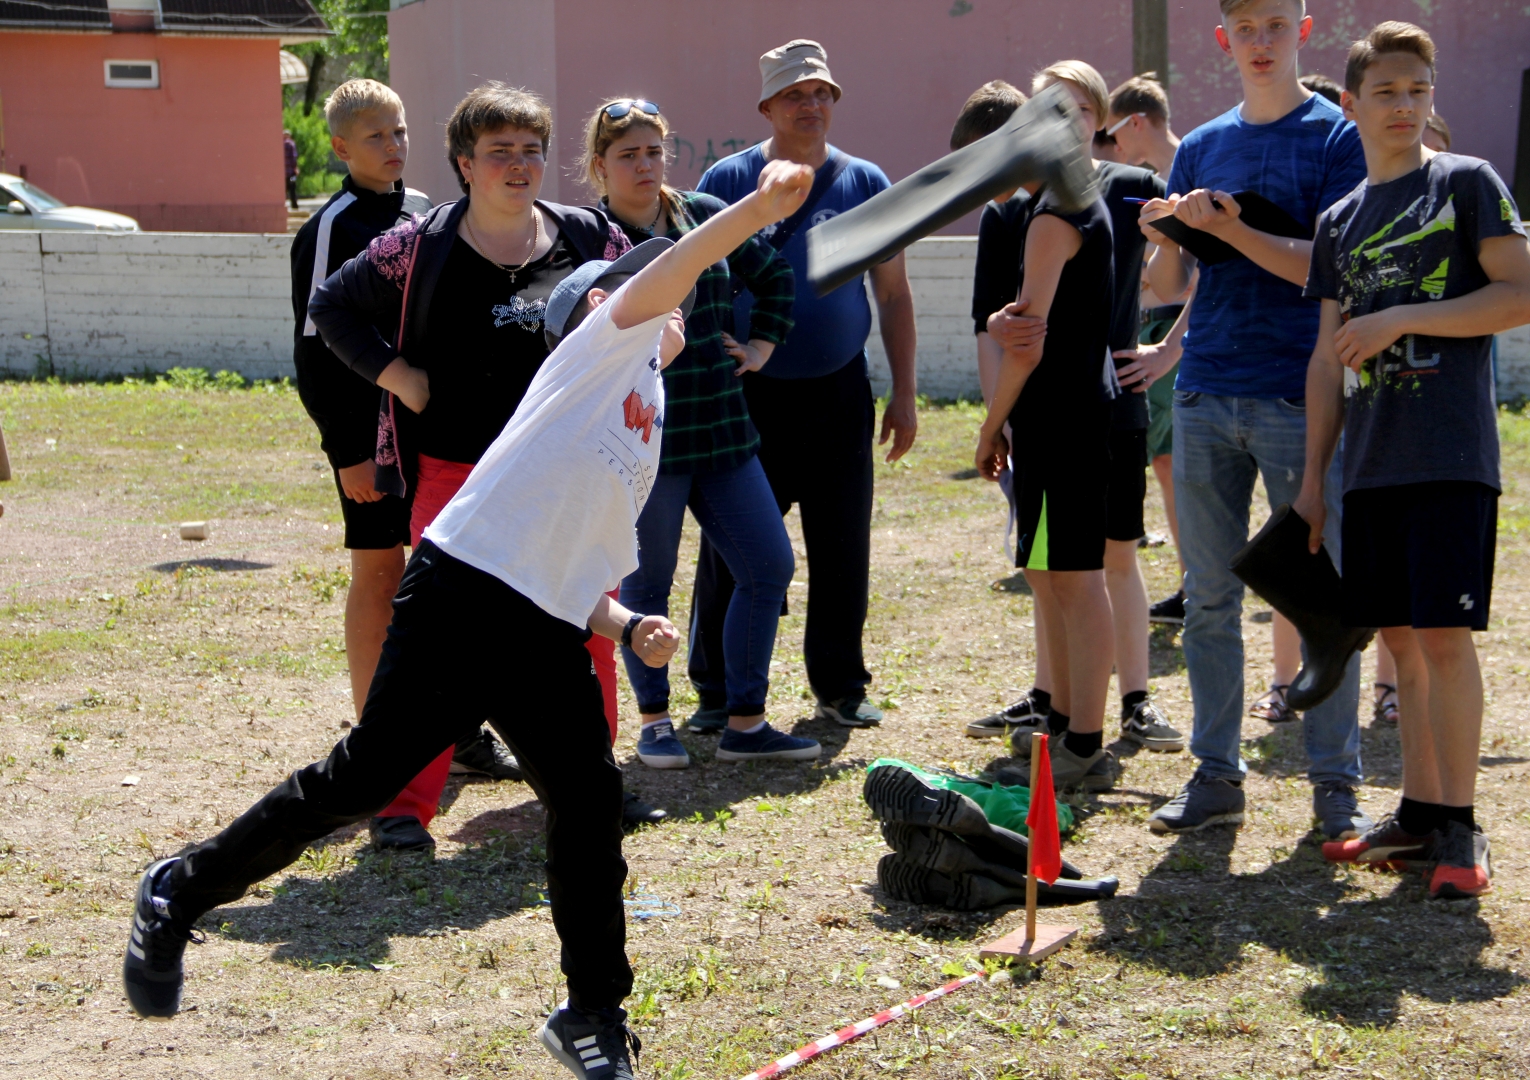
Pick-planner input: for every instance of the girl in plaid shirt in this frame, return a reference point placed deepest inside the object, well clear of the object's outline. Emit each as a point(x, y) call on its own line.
point(710, 452)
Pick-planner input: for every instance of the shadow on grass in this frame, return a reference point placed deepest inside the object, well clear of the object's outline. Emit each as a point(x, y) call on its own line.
point(1191, 917)
point(221, 566)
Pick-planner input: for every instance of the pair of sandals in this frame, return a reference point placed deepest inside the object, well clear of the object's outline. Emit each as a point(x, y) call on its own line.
point(1272, 706)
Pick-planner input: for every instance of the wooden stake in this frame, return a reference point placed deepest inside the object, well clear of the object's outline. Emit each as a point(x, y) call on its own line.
point(5, 459)
point(1035, 942)
point(1030, 848)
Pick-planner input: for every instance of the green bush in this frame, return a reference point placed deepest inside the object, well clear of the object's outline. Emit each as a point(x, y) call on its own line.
point(312, 137)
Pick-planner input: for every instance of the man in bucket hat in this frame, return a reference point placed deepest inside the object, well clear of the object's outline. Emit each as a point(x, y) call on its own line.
point(812, 403)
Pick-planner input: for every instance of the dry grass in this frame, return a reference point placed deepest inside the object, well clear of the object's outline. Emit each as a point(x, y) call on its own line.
point(209, 673)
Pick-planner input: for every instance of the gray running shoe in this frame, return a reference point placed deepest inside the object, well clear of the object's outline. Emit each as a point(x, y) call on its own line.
point(708, 718)
point(1465, 868)
point(1148, 727)
point(849, 712)
point(1203, 802)
point(1097, 772)
point(1017, 713)
point(1338, 811)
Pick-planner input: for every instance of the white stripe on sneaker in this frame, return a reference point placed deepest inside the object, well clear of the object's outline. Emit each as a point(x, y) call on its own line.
point(588, 1040)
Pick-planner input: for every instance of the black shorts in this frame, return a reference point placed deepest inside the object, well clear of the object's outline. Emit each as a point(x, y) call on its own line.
point(1419, 555)
point(373, 526)
point(1060, 499)
point(1127, 485)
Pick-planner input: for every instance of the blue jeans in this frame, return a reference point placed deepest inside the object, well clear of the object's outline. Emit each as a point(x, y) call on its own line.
point(738, 515)
point(1220, 445)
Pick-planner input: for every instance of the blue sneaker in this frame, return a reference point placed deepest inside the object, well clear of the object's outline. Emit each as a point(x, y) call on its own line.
point(767, 744)
point(659, 749)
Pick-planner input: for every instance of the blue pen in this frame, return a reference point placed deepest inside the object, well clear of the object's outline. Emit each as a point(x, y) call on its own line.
point(1139, 202)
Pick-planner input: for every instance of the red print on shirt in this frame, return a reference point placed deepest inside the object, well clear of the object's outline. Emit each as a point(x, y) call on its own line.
point(638, 415)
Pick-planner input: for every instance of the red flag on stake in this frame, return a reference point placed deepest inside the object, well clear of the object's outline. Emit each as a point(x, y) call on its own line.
point(1046, 844)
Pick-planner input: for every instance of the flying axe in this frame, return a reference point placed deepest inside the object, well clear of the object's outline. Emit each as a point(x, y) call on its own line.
point(1039, 142)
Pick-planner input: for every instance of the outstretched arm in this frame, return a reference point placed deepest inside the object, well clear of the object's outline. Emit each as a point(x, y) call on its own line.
point(662, 284)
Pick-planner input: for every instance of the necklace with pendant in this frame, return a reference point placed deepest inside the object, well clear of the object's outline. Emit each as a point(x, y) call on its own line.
point(536, 238)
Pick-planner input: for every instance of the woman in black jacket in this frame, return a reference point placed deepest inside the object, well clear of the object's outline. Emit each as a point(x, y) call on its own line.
point(445, 313)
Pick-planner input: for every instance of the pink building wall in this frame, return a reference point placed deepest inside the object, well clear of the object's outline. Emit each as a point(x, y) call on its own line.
point(200, 154)
point(906, 66)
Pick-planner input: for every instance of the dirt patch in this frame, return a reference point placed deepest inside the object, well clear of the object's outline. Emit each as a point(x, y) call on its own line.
point(209, 672)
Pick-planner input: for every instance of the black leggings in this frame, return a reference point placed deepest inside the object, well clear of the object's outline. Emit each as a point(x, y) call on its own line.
point(457, 636)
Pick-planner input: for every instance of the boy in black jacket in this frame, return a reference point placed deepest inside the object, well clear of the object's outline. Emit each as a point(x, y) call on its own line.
point(368, 133)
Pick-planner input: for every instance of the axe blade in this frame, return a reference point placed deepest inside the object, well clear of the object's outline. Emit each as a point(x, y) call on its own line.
point(1039, 142)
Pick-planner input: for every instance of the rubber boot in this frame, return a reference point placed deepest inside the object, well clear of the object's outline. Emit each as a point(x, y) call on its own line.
point(1040, 142)
point(953, 857)
point(1304, 588)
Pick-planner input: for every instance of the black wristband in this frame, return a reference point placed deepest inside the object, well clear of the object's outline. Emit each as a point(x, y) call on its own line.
point(632, 624)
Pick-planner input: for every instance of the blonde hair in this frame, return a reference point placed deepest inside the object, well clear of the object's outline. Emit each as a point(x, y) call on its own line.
point(1387, 37)
point(352, 98)
point(1081, 75)
point(600, 131)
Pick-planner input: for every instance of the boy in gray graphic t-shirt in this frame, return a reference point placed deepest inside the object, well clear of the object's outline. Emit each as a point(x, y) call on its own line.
point(1416, 269)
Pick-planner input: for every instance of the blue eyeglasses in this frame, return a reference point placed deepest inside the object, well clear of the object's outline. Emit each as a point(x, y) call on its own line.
point(618, 109)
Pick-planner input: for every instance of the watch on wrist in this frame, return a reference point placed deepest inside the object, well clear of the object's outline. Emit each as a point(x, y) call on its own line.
point(632, 624)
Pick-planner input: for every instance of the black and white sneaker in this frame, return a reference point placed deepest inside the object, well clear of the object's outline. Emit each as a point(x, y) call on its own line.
point(152, 974)
point(592, 1046)
point(1148, 727)
point(1023, 713)
point(484, 755)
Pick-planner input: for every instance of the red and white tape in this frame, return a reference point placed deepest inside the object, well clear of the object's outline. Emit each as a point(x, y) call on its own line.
point(855, 1031)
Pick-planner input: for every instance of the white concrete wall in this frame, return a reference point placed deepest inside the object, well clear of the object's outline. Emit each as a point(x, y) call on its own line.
point(93, 304)
point(100, 304)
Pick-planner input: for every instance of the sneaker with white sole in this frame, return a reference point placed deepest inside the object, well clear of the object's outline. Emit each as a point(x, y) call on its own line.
point(767, 744)
point(1203, 802)
point(152, 972)
point(1149, 728)
point(481, 754)
point(658, 748)
point(1025, 712)
point(592, 1046)
point(1385, 845)
point(849, 712)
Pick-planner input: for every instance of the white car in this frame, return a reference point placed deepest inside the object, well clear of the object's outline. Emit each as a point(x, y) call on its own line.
point(29, 207)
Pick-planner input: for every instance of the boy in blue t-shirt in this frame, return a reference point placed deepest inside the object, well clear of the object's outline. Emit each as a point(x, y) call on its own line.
point(1416, 269)
point(1238, 408)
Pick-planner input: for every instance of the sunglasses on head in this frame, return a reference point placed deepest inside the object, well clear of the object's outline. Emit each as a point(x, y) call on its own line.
point(1121, 123)
point(618, 109)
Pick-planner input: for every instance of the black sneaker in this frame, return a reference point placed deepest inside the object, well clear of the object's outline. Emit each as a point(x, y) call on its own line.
point(1465, 868)
point(1148, 727)
point(708, 718)
point(592, 1046)
point(1170, 610)
point(1023, 713)
point(401, 833)
point(853, 711)
point(1336, 808)
point(152, 974)
point(484, 755)
point(636, 813)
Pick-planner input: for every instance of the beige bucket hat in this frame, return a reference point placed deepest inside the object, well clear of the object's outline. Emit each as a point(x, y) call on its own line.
point(796, 61)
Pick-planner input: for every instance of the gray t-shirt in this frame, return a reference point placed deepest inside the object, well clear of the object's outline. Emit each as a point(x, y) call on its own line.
point(1422, 410)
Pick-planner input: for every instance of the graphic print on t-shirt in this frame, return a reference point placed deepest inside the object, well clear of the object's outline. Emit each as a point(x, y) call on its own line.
point(528, 316)
point(620, 447)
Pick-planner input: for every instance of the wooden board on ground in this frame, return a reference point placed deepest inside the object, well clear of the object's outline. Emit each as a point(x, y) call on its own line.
point(1014, 946)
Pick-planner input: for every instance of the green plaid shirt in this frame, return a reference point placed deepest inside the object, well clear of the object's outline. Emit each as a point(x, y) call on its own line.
point(706, 421)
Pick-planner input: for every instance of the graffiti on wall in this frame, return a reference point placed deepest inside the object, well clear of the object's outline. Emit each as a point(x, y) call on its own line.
point(697, 159)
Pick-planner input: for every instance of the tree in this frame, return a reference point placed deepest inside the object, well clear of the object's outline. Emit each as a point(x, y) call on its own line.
point(358, 49)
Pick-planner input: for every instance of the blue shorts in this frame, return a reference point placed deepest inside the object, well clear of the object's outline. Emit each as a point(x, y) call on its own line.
point(1419, 555)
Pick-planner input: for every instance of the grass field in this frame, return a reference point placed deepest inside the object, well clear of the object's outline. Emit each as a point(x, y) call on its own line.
point(151, 689)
